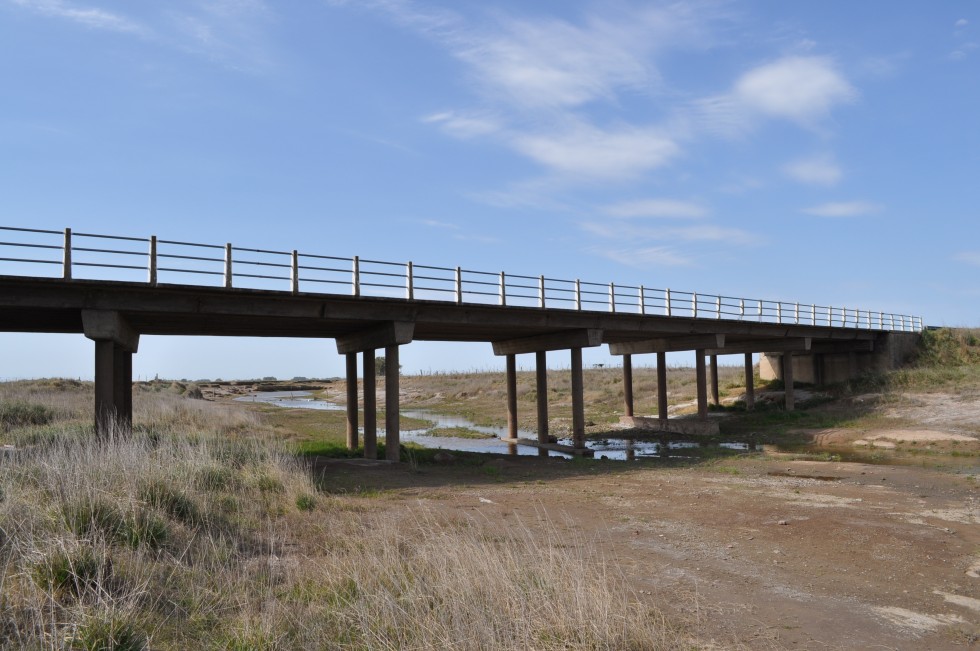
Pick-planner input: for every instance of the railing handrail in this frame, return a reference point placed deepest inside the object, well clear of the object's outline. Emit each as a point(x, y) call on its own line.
point(459, 284)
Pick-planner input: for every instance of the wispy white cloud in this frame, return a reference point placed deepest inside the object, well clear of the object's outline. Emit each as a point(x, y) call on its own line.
point(463, 125)
point(968, 257)
point(87, 16)
point(815, 170)
point(644, 257)
point(962, 22)
point(432, 223)
point(844, 209)
point(620, 230)
point(656, 208)
point(583, 150)
point(229, 32)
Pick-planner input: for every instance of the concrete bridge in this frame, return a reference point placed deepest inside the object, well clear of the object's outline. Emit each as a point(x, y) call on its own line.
point(113, 289)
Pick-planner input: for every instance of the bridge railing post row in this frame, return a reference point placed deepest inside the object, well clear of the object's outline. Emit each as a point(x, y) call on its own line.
point(66, 258)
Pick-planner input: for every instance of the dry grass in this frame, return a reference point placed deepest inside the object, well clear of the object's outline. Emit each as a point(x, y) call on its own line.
point(198, 531)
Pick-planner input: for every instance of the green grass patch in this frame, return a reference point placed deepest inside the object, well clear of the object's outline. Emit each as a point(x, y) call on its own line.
point(459, 433)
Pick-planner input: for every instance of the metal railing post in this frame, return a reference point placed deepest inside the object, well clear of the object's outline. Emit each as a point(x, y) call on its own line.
point(152, 262)
point(355, 283)
point(813, 314)
point(694, 305)
point(503, 288)
point(718, 307)
point(779, 312)
point(868, 315)
point(459, 285)
point(294, 268)
point(760, 311)
point(643, 301)
point(667, 300)
point(228, 265)
point(66, 260)
point(796, 314)
point(541, 299)
point(741, 308)
point(578, 294)
point(830, 317)
point(409, 281)
point(612, 297)
point(881, 321)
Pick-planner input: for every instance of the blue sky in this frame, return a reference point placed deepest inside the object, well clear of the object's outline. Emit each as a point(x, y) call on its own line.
point(823, 152)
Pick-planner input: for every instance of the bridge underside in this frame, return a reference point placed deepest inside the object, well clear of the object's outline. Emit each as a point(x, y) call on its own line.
point(114, 314)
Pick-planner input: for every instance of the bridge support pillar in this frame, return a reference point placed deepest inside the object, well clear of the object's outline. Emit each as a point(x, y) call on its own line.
point(352, 401)
point(541, 376)
point(578, 401)
point(511, 381)
point(662, 388)
point(113, 389)
point(749, 382)
point(115, 342)
point(369, 383)
point(627, 385)
point(788, 381)
point(392, 405)
point(714, 380)
point(702, 383)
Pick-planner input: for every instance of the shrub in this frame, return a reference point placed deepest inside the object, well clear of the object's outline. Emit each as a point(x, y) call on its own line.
point(171, 501)
point(20, 414)
point(73, 572)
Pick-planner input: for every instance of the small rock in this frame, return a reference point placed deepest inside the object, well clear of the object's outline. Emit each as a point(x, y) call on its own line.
point(783, 522)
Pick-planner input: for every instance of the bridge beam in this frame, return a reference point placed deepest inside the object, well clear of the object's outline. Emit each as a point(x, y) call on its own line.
point(383, 335)
point(714, 379)
point(578, 401)
point(392, 406)
point(352, 403)
point(662, 388)
point(541, 377)
point(627, 385)
point(115, 343)
point(511, 381)
point(369, 382)
point(800, 344)
point(569, 339)
point(749, 382)
point(668, 344)
point(702, 383)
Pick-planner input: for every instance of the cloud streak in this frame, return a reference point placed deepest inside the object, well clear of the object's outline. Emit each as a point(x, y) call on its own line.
point(816, 170)
point(90, 17)
point(844, 209)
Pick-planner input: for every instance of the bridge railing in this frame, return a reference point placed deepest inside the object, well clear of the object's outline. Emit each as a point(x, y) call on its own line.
point(67, 254)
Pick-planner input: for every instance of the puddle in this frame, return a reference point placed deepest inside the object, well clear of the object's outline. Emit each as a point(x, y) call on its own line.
point(610, 448)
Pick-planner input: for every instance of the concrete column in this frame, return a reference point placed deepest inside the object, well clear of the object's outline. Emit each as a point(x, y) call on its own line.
point(578, 400)
point(788, 380)
point(749, 382)
point(392, 407)
point(512, 396)
point(541, 372)
point(370, 384)
point(702, 380)
point(628, 384)
point(352, 403)
point(113, 389)
point(662, 386)
point(714, 380)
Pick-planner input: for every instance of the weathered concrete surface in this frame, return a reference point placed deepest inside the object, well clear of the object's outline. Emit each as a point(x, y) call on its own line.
point(890, 351)
point(686, 426)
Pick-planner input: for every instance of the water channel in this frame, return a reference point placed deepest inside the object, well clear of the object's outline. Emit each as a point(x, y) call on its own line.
point(612, 448)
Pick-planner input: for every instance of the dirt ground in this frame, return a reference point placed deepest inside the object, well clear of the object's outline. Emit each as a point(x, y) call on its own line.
point(768, 551)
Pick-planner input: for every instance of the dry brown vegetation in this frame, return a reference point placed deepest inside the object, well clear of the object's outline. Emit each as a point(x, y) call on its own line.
point(199, 530)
